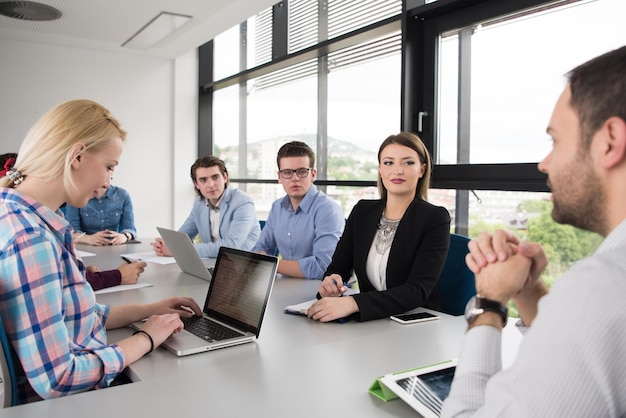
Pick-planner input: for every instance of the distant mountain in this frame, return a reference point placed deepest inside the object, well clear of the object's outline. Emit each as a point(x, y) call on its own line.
point(335, 146)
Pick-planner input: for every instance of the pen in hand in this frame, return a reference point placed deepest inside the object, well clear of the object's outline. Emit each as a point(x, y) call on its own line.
point(126, 259)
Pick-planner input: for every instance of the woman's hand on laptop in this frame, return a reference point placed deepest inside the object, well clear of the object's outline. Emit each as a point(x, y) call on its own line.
point(183, 306)
point(159, 327)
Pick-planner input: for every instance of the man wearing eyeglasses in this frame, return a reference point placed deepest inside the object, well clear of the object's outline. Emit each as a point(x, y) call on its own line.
point(305, 225)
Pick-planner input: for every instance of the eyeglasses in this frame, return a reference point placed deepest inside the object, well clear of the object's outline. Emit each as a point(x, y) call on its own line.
point(300, 172)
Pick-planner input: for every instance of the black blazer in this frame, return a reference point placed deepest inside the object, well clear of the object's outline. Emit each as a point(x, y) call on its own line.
point(416, 257)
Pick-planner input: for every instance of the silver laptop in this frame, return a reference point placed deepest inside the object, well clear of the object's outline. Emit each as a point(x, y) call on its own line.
point(235, 304)
point(185, 254)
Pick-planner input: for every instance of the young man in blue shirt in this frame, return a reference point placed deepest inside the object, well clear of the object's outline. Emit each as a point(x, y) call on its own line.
point(305, 225)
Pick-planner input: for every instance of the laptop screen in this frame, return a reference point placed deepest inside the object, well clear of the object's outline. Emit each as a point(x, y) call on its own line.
point(240, 287)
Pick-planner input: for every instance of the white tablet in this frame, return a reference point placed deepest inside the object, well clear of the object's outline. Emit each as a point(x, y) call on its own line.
point(425, 388)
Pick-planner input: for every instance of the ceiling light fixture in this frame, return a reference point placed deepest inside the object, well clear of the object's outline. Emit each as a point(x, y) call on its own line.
point(155, 30)
point(28, 10)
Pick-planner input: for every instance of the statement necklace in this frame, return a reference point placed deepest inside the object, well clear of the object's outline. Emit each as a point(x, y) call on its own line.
point(385, 233)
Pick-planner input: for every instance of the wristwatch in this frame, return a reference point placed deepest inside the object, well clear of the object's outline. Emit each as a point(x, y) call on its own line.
point(478, 305)
point(128, 235)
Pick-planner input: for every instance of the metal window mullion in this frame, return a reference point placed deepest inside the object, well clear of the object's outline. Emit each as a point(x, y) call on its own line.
point(243, 104)
point(464, 124)
point(322, 97)
point(280, 29)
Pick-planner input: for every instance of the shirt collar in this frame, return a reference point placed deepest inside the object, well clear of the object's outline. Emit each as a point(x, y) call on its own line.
point(306, 203)
point(614, 239)
point(55, 220)
point(219, 202)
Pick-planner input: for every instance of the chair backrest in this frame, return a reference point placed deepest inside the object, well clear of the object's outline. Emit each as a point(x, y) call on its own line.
point(8, 384)
point(456, 283)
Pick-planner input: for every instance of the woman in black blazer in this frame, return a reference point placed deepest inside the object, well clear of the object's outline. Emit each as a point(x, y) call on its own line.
point(396, 246)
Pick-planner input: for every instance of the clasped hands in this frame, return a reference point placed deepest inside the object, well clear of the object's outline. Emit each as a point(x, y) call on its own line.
point(332, 306)
point(505, 268)
point(106, 237)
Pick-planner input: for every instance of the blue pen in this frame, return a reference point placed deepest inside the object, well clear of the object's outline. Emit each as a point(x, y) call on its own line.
point(344, 284)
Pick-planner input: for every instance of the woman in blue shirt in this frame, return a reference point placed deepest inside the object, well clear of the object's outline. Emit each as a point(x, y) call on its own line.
point(107, 219)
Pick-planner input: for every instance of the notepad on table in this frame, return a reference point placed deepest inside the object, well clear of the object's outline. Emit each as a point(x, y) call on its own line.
point(150, 257)
point(302, 308)
point(121, 287)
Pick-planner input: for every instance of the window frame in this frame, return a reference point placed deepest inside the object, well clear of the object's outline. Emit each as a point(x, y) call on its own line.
point(421, 28)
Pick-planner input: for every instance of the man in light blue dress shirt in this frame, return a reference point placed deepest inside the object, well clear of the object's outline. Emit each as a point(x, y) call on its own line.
point(304, 226)
point(220, 216)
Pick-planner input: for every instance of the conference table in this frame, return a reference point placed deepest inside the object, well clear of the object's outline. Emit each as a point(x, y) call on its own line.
point(296, 368)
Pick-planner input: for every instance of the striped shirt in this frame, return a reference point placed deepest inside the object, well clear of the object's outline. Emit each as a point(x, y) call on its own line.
point(572, 361)
point(49, 310)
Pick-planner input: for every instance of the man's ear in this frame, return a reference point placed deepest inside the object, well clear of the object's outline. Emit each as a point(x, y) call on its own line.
point(614, 136)
point(75, 154)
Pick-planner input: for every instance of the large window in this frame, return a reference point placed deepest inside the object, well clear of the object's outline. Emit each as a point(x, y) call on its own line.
point(513, 66)
point(483, 79)
point(336, 85)
point(476, 80)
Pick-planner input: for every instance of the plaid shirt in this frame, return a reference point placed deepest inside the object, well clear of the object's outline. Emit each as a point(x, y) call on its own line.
point(49, 310)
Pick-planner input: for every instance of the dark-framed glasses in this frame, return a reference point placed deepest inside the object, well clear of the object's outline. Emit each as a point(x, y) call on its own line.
point(300, 172)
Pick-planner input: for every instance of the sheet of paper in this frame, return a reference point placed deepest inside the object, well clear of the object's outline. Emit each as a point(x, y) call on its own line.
point(83, 254)
point(300, 308)
point(122, 287)
point(151, 257)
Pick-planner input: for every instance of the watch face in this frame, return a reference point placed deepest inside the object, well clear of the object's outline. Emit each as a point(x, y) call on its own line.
point(478, 305)
point(469, 309)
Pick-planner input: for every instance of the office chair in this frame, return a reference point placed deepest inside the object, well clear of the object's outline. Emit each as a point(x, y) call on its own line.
point(456, 283)
point(261, 224)
point(8, 384)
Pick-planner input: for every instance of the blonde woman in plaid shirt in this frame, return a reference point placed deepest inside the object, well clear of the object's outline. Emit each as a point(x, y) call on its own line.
point(53, 322)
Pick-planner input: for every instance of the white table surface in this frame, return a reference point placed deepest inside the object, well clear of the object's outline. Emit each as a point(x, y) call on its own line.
point(297, 367)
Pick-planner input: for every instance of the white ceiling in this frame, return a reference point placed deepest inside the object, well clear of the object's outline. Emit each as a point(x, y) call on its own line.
point(107, 24)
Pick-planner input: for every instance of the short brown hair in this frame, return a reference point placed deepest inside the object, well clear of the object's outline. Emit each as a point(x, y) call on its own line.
point(296, 149)
point(598, 90)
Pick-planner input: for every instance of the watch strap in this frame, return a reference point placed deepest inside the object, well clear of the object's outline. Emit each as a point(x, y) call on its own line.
point(493, 306)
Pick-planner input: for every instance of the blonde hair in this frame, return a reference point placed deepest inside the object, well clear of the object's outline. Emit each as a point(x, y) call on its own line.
point(414, 142)
point(46, 149)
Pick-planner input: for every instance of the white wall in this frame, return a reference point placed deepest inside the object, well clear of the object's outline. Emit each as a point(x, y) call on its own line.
point(155, 100)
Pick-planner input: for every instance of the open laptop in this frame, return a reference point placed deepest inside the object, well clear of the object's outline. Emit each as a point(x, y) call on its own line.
point(185, 254)
point(236, 302)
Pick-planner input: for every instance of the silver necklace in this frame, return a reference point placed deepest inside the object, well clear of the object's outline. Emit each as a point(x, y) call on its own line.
point(385, 233)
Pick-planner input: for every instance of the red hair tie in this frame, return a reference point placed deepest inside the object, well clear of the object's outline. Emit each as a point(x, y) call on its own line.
point(7, 166)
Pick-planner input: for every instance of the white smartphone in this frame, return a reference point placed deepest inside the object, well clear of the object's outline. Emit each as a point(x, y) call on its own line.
point(413, 318)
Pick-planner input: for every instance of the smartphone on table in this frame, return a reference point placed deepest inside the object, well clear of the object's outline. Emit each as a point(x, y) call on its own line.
point(413, 318)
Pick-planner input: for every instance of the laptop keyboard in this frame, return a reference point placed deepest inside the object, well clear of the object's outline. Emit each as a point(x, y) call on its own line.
point(208, 330)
